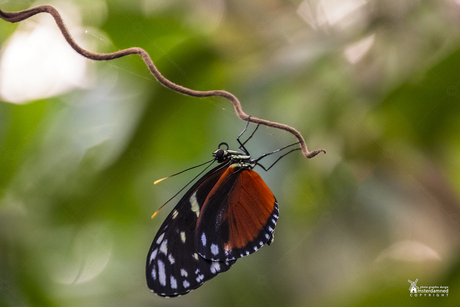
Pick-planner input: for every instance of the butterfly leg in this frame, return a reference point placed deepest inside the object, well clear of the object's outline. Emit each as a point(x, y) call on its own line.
point(242, 132)
point(279, 158)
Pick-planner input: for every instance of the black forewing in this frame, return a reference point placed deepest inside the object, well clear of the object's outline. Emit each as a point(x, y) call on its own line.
point(173, 265)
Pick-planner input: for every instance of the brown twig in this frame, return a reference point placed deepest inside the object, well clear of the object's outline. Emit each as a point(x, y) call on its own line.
point(19, 16)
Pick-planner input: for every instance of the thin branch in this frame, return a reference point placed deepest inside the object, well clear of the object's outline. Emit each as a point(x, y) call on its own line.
point(20, 16)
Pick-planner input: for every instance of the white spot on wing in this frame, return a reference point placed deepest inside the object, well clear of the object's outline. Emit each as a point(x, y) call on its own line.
point(171, 259)
point(173, 282)
point(154, 273)
point(186, 284)
point(215, 267)
point(214, 249)
point(161, 273)
point(182, 236)
point(195, 255)
point(153, 255)
point(183, 273)
point(160, 238)
point(174, 214)
point(164, 247)
point(194, 204)
point(203, 239)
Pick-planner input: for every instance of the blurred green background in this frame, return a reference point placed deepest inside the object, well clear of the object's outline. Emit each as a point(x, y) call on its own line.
point(375, 83)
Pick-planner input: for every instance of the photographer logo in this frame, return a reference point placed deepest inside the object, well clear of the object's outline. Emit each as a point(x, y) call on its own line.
point(427, 291)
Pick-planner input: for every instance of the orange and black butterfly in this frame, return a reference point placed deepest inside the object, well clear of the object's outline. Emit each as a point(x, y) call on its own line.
point(227, 214)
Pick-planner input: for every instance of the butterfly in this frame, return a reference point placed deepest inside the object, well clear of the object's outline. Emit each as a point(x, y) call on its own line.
point(227, 214)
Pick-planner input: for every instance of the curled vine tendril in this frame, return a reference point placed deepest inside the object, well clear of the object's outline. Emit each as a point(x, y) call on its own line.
point(20, 16)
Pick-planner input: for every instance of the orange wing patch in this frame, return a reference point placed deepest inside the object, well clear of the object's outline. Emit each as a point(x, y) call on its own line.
point(249, 207)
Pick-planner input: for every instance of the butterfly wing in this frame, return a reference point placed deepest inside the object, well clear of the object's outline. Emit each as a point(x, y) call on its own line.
point(173, 265)
point(237, 218)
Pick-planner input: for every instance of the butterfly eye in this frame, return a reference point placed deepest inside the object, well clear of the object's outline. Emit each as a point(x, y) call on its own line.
point(219, 154)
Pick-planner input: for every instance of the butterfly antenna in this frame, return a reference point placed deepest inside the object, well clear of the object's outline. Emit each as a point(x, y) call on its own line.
point(159, 180)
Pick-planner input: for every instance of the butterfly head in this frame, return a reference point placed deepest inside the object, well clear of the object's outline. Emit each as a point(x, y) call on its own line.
point(223, 155)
